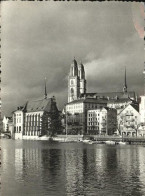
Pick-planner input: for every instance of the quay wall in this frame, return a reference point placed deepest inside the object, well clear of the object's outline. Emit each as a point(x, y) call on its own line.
point(130, 140)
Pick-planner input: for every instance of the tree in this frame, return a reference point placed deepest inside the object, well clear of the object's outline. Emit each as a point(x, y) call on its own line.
point(54, 123)
point(135, 127)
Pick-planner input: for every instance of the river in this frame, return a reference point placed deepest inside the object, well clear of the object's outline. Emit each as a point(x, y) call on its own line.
point(71, 169)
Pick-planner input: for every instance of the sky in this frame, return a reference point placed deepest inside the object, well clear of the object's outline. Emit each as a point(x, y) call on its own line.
point(40, 39)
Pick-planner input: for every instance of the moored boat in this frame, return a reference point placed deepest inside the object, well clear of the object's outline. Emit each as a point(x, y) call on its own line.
point(121, 143)
point(110, 142)
point(87, 141)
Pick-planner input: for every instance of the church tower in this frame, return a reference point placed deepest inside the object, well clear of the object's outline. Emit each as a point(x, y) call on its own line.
point(73, 82)
point(125, 83)
point(81, 74)
point(45, 94)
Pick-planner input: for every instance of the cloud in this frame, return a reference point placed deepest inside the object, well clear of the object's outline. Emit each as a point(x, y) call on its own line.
point(40, 41)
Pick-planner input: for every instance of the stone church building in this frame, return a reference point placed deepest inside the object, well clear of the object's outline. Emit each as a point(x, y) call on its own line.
point(80, 101)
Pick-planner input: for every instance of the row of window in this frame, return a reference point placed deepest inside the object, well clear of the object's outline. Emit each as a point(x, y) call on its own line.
point(78, 106)
point(32, 123)
point(93, 119)
point(19, 120)
point(93, 123)
point(17, 129)
point(32, 133)
point(18, 114)
point(93, 128)
point(93, 114)
point(92, 106)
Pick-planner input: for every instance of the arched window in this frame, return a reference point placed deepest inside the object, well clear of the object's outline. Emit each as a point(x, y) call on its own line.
point(72, 93)
point(71, 82)
point(36, 120)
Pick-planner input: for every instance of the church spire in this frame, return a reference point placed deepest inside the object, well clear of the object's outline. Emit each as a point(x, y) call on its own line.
point(125, 83)
point(45, 94)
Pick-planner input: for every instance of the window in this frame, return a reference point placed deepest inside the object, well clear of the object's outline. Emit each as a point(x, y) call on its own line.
point(71, 82)
point(19, 129)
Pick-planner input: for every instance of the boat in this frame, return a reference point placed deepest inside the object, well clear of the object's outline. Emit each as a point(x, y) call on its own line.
point(87, 141)
point(44, 137)
point(121, 143)
point(110, 142)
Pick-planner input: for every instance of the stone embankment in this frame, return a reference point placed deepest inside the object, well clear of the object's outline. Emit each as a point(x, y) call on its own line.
point(129, 140)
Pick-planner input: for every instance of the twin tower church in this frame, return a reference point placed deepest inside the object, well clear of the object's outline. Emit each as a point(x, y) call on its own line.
point(76, 81)
point(77, 86)
point(83, 107)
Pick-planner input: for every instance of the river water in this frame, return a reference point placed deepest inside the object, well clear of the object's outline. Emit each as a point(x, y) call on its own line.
point(58, 169)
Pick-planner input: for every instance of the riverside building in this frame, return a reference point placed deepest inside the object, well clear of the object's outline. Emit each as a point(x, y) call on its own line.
point(142, 110)
point(76, 114)
point(6, 122)
point(32, 120)
point(129, 120)
point(79, 101)
point(102, 121)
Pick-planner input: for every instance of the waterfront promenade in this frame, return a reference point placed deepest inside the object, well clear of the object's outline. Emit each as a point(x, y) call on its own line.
point(130, 140)
point(101, 138)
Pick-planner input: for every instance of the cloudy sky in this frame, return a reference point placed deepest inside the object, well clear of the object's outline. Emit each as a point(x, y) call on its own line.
point(40, 39)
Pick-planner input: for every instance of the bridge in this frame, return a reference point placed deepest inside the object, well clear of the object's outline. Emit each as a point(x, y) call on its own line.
point(6, 135)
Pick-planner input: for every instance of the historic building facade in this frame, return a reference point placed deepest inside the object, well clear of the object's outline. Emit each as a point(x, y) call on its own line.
point(129, 120)
point(6, 122)
point(142, 110)
point(33, 119)
point(102, 121)
point(76, 81)
point(76, 114)
point(79, 101)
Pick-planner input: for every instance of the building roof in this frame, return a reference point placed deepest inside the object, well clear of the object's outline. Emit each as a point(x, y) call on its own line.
point(74, 63)
point(121, 100)
point(9, 117)
point(135, 106)
point(39, 105)
point(88, 100)
point(106, 108)
point(111, 95)
point(45, 104)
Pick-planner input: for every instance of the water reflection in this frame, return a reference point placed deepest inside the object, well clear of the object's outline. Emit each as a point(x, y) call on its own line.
point(71, 169)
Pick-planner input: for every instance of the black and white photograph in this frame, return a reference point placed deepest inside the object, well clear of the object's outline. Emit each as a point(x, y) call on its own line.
point(72, 98)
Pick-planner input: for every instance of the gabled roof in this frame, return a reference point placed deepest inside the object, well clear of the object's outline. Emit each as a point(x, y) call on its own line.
point(111, 95)
point(39, 105)
point(135, 106)
point(45, 104)
point(88, 100)
point(9, 117)
point(122, 100)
